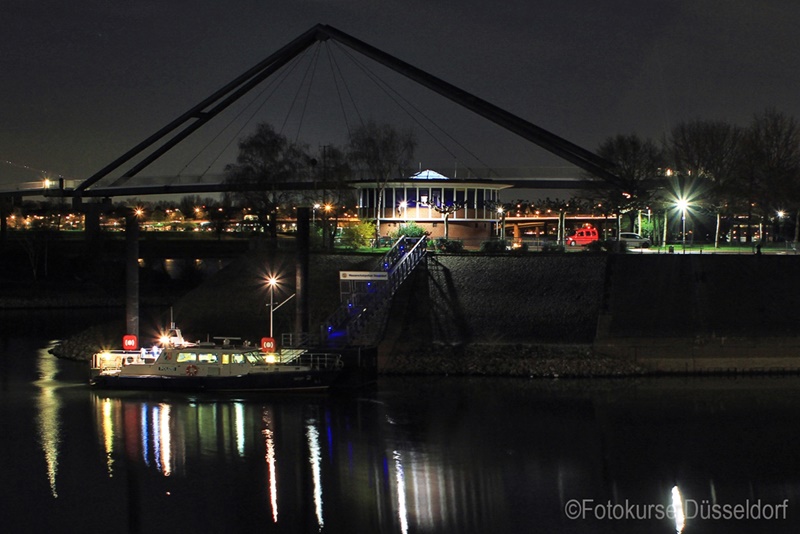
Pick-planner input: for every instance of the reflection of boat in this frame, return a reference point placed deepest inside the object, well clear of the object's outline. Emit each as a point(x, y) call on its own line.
point(178, 365)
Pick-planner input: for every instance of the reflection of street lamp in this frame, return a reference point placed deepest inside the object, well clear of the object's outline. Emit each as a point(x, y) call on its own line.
point(271, 282)
point(682, 204)
point(403, 207)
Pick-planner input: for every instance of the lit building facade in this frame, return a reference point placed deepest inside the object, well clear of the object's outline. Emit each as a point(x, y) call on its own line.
point(426, 198)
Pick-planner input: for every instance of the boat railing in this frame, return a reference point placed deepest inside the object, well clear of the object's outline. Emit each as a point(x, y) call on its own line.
point(288, 355)
point(320, 360)
point(302, 339)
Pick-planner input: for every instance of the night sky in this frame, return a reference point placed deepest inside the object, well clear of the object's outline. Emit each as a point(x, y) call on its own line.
point(84, 81)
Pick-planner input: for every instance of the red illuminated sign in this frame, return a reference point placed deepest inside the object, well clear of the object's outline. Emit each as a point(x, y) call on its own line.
point(130, 342)
point(267, 344)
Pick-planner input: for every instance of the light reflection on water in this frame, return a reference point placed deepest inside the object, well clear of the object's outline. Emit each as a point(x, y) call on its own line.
point(421, 487)
point(677, 506)
point(269, 437)
point(316, 469)
point(418, 455)
point(48, 414)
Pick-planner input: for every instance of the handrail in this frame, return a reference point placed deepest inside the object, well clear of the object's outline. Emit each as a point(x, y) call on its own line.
point(353, 314)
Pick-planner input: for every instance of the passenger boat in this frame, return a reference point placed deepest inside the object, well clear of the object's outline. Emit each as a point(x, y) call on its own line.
point(175, 364)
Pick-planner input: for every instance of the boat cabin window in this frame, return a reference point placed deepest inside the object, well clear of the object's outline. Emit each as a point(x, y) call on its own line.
point(253, 357)
point(186, 357)
point(208, 358)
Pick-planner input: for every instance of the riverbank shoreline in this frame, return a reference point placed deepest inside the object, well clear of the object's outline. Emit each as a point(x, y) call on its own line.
point(528, 316)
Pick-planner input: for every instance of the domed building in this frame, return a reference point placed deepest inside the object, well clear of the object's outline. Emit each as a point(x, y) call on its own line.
point(464, 209)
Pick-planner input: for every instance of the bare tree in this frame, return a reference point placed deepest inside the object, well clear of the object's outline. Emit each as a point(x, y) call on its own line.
point(330, 172)
point(382, 152)
point(267, 161)
point(439, 205)
point(637, 163)
point(710, 153)
point(771, 170)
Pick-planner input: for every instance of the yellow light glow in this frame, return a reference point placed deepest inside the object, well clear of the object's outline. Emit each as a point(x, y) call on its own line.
point(270, 358)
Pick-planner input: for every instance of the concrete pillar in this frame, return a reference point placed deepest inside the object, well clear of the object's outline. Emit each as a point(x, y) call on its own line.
point(3, 223)
point(301, 273)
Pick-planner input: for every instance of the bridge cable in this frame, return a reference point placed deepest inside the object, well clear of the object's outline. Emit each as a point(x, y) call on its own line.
point(274, 84)
point(309, 68)
point(386, 88)
point(313, 69)
point(334, 70)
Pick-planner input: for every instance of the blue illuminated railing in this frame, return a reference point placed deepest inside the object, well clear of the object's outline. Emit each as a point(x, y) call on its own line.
point(354, 317)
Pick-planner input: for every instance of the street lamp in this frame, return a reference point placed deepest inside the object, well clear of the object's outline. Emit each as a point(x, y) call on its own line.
point(271, 282)
point(682, 204)
point(314, 215)
point(502, 213)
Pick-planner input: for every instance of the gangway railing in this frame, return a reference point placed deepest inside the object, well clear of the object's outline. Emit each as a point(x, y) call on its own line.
point(356, 314)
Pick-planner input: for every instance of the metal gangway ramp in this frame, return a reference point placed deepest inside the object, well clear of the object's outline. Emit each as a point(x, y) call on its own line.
point(361, 316)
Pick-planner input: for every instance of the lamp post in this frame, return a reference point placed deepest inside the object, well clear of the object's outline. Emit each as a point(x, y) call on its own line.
point(502, 213)
point(271, 281)
point(314, 215)
point(682, 204)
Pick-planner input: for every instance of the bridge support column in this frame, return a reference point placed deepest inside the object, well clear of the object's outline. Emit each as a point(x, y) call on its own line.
point(301, 273)
point(3, 223)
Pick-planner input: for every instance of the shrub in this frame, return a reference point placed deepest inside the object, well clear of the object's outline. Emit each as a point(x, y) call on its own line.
point(448, 245)
point(358, 235)
point(607, 245)
point(494, 245)
point(409, 229)
point(552, 246)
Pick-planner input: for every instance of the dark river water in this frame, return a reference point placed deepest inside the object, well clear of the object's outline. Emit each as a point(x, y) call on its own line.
point(413, 454)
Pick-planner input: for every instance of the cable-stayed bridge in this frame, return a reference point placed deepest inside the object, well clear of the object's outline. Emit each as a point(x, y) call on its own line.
point(125, 172)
